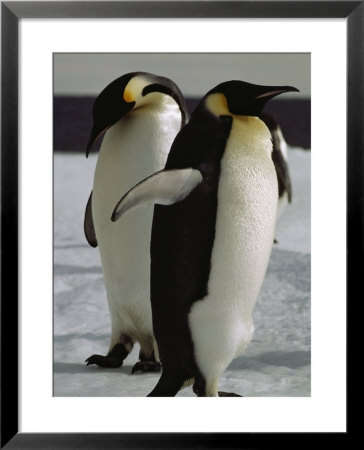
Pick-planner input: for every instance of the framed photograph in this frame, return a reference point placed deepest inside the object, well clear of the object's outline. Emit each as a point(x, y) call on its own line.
point(56, 58)
point(79, 287)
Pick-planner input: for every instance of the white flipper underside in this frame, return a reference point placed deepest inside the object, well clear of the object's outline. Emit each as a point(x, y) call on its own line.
point(164, 188)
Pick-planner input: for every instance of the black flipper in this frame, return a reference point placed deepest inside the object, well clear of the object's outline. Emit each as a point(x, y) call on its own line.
point(88, 224)
point(280, 164)
point(284, 179)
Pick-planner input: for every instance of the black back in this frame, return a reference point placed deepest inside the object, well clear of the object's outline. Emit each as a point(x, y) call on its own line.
point(183, 236)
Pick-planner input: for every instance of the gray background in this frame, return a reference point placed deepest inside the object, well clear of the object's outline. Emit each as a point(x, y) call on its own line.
point(87, 74)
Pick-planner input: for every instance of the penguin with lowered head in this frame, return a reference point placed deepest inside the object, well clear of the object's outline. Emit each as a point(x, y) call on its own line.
point(139, 115)
point(212, 234)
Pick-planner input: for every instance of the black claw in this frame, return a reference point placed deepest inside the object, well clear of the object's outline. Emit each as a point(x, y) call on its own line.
point(228, 394)
point(104, 361)
point(146, 366)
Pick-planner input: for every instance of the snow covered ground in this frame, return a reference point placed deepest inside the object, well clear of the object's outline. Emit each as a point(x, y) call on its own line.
point(277, 362)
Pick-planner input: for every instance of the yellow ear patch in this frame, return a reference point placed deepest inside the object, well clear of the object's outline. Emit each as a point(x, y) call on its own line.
point(128, 96)
point(133, 90)
point(217, 104)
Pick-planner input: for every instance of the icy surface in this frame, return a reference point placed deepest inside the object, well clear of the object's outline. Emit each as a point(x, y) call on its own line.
point(277, 362)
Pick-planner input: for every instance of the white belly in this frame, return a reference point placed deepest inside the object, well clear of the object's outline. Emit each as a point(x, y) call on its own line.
point(133, 149)
point(221, 323)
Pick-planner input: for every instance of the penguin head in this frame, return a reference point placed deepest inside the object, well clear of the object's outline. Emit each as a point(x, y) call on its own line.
point(241, 98)
point(128, 93)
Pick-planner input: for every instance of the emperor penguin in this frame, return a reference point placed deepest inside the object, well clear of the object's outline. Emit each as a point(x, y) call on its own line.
point(212, 234)
point(139, 115)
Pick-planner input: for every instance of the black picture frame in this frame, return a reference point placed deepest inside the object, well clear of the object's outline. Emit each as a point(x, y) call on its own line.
point(11, 13)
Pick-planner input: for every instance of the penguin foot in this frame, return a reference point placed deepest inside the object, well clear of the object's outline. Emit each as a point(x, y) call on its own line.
point(146, 366)
point(104, 361)
point(228, 394)
point(113, 359)
point(275, 241)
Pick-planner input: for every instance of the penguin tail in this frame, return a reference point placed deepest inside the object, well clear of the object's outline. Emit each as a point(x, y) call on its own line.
point(168, 385)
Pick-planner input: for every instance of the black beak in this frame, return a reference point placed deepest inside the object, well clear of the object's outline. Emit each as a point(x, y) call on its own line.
point(268, 92)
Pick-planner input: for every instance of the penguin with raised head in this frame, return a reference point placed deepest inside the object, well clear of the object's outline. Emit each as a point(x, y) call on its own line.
point(280, 161)
point(210, 247)
point(139, 115)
